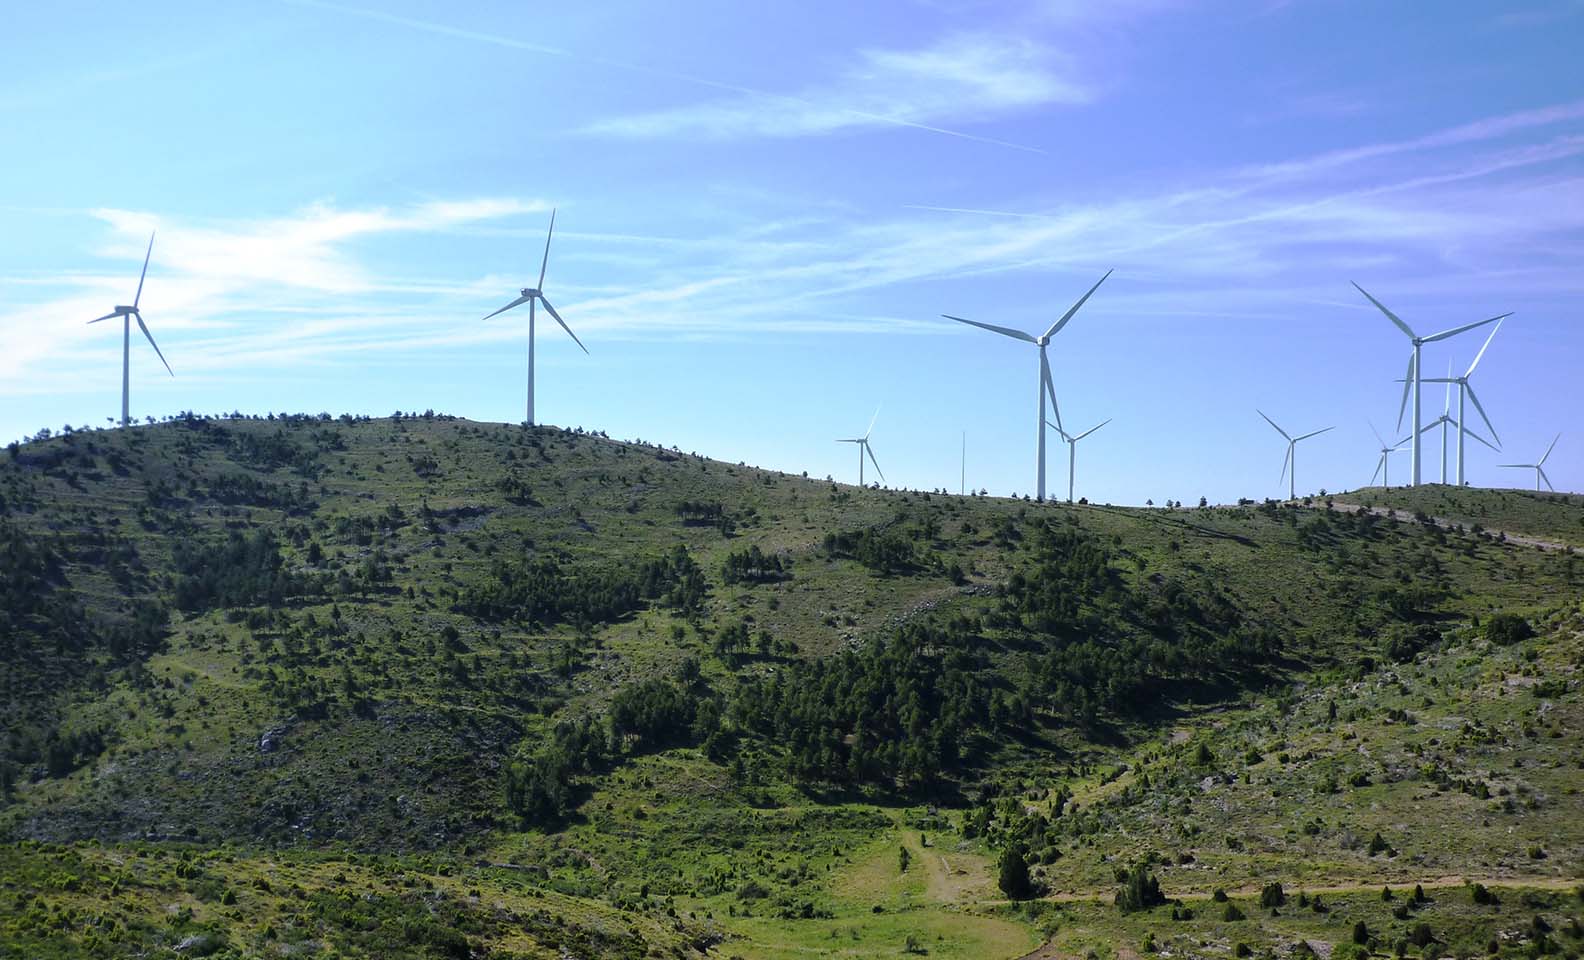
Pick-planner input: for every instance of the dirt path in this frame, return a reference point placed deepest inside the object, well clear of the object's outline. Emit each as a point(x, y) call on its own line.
point(1405, 516)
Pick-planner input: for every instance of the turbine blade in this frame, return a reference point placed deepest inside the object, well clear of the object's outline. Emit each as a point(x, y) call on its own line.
point(1480, 409)
point(1446, 401)
point(150, 337)
point(1378, 465)
point(1004, 331)
point(1546, 479)
point(1273, 423)
point(1389, 315)
point(1457, 330)
point(562, 322)
point(1092, 429)
point(1377, 433)
point(1081, 300)
point(1548, 450)
point(1285, 457)
point(515, 303)
point(870, 450)
point(146, 254)
point(1482, 440)
point(872, 423)
point(546, 261)
point(1402, 408)
point(1481, 355)
point(1314, 433)
point(105, 317)
point(1050, 390)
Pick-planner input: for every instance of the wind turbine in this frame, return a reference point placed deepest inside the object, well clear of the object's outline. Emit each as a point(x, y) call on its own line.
point(1045, 387)
point(1292, 453)
point(1466, 390)
point(1412, 380)
point(127, 315)
point(529, 296)
point(1538, 467)
point(1386, 450)
point(1446, 419)
point(1072, 450)
point(863, 448)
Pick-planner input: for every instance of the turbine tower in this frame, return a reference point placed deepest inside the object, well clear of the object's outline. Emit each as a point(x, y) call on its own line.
point(1538, 467)
point(863, 448)
point(1292, 454)
point(1445, 420)
point(127, 315)
point(1045, 388)
point(1413, 380)
point(1072, 450)
point(1383, 465)
point(1466, 391)
point(529, 296)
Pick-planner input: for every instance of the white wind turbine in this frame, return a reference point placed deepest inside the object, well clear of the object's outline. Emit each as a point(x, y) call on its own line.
point(1072, 450)
point(529, 296)
point(1413, 379)
point(1445, 420)
point(1538, 467)
point(1466, 390)
point(1292, 454)
point(1045, 387)
point(863, 448)
point(1383, 465)
point(127, 315)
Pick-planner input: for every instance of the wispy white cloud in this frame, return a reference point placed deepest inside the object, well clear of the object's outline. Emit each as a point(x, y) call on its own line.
point(972, 71)
point(1493, 209)
point(959, 78)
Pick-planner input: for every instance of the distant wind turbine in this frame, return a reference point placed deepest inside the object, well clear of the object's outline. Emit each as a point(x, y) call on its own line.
point(1072, 450)
point(1445, 420)
point(1045, 387)
point(1413, 379)
point(863, 448)
point(127, 315)
point(1538, 467)
point(1383, 465)
point(529, 296)
point(1291, 459)
point(1466, 390)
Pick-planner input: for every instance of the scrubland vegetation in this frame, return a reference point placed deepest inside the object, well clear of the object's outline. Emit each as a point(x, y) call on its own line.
point(422, 687)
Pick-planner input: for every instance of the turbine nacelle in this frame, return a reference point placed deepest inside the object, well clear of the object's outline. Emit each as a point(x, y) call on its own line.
point(531, 292)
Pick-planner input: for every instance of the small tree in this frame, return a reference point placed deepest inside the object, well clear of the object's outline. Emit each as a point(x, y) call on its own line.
point(1272, 896)
point(1140, 891)
point(1014, 879)
point(903, 859)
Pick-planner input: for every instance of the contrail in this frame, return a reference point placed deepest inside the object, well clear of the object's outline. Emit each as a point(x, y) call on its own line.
point(512, 43)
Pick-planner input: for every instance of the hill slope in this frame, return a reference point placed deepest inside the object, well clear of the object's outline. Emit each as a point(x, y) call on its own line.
point(544, 691)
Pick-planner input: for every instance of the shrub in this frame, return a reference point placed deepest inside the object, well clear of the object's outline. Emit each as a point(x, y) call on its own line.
point(1421, 935)
point(1482, 896)
point(1140, 891)
point(1272, 896)
point(1361, 934)
point(1507, 629)
point(1232, 914)
point(1219, 896)
point(1014, 877)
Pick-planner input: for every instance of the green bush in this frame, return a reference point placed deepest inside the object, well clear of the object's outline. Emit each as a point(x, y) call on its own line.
point(1507, 629)
point(1232, 914)
point(1140, 891)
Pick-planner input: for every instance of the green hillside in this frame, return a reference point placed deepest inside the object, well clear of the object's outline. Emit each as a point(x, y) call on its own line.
point(424, 687)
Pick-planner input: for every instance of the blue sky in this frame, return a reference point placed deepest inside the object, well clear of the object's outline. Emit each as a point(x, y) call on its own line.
point(764, 211)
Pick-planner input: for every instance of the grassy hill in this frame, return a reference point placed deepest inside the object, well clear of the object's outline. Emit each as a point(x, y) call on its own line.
point(424, 687)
